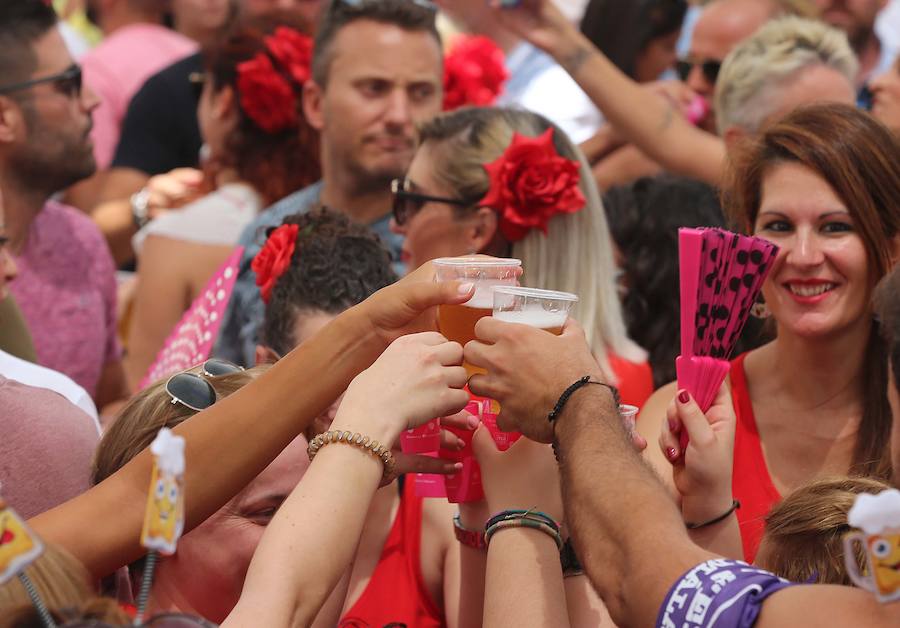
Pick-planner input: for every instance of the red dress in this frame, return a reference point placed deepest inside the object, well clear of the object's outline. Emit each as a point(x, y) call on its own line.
point(396, 593)
point(635, 380)
point(752, 484)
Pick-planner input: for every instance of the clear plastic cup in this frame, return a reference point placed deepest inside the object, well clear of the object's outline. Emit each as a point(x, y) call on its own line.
point(457, 322)
point(629, 417)
point(546, 309)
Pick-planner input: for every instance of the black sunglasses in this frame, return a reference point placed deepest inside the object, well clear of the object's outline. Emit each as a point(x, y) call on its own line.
point(406, 202)
point(358, 4)
point(193, 391)
point(67, 82)
point(709, 67)
point(164, 620)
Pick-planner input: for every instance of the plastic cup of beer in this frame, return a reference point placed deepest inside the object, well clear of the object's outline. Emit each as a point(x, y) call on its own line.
point(457, 322)
point(545, 309)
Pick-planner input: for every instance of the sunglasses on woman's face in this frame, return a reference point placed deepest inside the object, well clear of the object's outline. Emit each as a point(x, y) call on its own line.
point(193, 391)
point(165, 620)
point(407, 202)
point(709, 67)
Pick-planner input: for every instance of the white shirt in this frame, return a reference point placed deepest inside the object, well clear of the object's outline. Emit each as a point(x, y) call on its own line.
point(38, 376)
point(216, 219)
point(539, 84)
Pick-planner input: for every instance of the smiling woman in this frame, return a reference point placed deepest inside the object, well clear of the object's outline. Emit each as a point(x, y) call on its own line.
point(824, 185)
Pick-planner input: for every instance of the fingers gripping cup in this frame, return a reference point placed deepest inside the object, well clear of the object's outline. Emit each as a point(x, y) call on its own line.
point(544, 309)
point(878, 518)
point(457, 322)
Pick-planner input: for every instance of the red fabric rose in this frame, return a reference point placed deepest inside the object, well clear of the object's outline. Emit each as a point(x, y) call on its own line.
point(474, 72)
point(274, 258)
point(531, 183)
point(292, 51)
point(265, 95)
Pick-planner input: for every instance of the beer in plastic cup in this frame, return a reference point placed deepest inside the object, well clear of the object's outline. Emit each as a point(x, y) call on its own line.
point(545, 309)
point(457, 322)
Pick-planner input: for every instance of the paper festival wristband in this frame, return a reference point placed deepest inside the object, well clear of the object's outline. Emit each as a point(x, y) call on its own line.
point(524, 523)
point(357, 440)
point(534, 515)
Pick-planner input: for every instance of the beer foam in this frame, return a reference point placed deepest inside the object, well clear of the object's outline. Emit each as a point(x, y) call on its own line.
point(484, 294)
point(875, 513)
point(541, 319)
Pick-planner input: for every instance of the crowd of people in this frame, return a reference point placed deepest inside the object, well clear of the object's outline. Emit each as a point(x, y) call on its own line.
point(306, 155)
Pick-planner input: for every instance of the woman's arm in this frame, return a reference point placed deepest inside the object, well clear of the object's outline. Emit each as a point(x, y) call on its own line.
point(313, 538)
point(230, 443)
point(524, 579)
point(653, 124)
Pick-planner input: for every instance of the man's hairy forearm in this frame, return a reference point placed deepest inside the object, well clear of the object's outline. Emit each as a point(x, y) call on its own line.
point(627, 531)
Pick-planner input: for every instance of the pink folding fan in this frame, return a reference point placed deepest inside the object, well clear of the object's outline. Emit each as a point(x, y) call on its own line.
point(721, 275)
point(192, 339)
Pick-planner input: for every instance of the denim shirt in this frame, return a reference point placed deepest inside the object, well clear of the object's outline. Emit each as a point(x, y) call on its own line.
point(238, 336)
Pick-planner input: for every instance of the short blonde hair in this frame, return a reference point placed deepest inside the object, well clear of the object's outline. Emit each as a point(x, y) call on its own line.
point(757, 68)
point(576, 254)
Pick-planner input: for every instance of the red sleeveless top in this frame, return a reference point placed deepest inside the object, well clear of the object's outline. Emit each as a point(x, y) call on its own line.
point(396, 595)
point(635, 380)
point(752, 484)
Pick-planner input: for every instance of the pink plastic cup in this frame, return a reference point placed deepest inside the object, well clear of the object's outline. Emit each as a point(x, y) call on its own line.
point(423, 439)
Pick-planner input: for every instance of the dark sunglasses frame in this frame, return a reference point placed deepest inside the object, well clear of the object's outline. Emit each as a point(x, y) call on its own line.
point(157, 621)
point(402, 196)
point(356, 4)
point(211, 368)
point(69, 81)
point(709, 67)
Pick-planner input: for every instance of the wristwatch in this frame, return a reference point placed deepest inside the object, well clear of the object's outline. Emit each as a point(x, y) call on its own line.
point(468, 537)
point(140, 207)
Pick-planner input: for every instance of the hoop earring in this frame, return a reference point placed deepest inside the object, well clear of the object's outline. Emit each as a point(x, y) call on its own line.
point(760, 309)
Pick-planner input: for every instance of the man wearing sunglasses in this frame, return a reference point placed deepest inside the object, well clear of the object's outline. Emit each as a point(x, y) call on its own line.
point(376, 72)
point(66, 284)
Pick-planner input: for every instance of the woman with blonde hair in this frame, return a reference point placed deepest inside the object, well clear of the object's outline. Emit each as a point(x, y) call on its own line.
point(509, 183)
point(207, 574)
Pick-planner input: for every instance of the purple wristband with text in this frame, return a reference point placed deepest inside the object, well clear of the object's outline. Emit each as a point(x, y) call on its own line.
point(720, 592)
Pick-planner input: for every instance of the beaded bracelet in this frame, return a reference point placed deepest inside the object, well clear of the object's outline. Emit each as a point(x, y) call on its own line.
point(523, 523)
point(356, 439)
point(531, 514)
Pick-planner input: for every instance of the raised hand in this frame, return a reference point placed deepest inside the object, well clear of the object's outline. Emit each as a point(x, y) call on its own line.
point(417, 378)
point(702, 474)
point(527, 370)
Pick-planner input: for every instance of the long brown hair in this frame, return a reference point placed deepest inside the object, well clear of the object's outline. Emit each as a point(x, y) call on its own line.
point(275, 164)
point(860, 160)
point(804, 536)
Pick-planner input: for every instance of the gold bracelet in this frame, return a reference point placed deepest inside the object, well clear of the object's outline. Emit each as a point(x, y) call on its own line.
point(357, 440)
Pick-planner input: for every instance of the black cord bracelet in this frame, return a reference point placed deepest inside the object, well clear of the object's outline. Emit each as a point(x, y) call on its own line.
point(735, 504)
point(563, 398)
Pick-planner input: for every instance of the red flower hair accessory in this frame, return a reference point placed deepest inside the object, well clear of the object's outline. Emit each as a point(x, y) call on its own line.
point(265, 91)
point(292, 51)
point(530, 183)
point(274, 258)
point(474, 72)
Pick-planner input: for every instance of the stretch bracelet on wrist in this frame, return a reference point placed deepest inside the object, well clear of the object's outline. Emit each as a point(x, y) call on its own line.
point(568, 392)
point(735, 504)
point(524, 523)
point(359, 441)
point(468, 536)
point(534, 515)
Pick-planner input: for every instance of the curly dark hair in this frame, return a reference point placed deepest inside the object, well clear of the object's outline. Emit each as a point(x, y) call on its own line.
point(644, 218)
point(275, 164)
point(337, 263)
